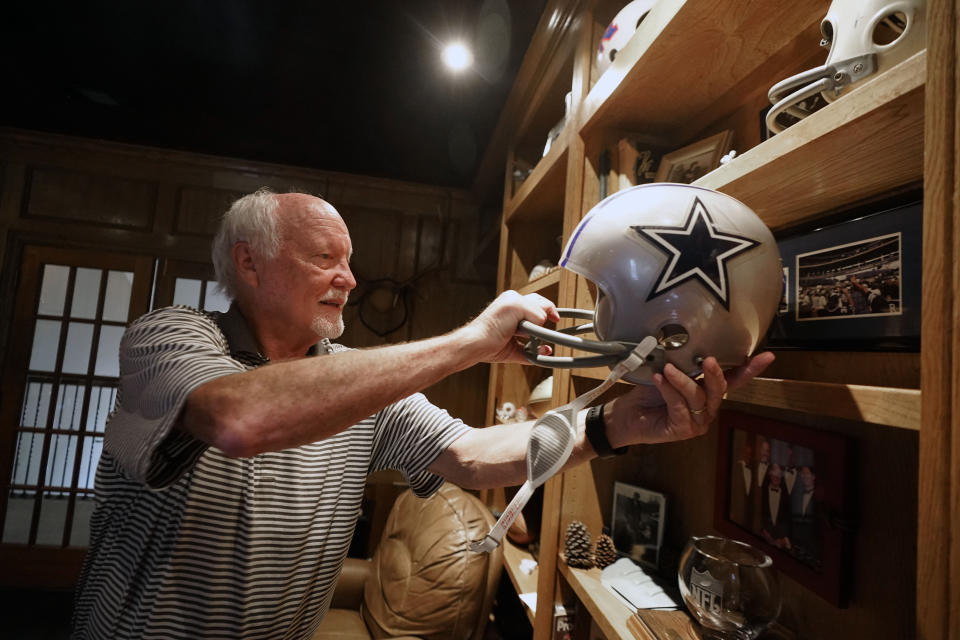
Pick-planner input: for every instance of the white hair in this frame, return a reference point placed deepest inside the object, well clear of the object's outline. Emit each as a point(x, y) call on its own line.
point(250, 219)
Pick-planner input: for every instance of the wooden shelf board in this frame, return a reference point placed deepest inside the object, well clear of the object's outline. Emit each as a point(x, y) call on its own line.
point(523, 583)
point(866, 143)
point(888, 406)
point(541, 194)
point(606, 609)
point(542, 283)
point(686, 56)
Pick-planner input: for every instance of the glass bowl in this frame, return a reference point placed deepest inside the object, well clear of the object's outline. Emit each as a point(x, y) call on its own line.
point(729, 587)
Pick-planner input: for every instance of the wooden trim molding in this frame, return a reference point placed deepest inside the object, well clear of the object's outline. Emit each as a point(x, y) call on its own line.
point(938, 496)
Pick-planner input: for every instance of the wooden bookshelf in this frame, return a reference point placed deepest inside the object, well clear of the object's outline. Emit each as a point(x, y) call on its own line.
point(522, 582)
point(540, 196)
point(686, 57)
point(694, 68)
point(869, 142)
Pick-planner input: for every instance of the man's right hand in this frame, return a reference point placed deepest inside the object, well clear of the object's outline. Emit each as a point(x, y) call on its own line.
point(493, 333)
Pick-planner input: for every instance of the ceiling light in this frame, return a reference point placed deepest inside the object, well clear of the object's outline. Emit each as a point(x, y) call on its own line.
point(457, 57)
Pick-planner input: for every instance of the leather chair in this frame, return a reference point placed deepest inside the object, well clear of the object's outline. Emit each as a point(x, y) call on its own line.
point(423, 581)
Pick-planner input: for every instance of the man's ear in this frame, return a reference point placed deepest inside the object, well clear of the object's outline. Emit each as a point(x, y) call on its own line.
point(245, 264)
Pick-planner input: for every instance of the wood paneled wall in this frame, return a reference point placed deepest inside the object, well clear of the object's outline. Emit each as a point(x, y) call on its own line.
point(86, 194)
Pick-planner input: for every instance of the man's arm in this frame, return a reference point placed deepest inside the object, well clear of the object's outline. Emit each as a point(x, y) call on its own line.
point(496, 456)
point(292, 403)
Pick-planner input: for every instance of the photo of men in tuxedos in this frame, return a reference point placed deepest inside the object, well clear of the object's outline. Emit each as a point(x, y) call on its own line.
point(760, 469)
point(773, 494)
point(805, 535)
point(741, 482)
point(775, 508)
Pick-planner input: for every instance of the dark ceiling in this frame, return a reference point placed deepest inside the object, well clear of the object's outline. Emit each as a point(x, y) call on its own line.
point(347, 86)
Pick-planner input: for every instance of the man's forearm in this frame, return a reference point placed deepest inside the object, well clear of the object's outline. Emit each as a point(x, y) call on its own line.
point(292, 403)
point(496, 456)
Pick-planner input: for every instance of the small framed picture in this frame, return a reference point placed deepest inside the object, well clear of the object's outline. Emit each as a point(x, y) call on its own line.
point(854, 285)
point(693, 161)
point(637, 162)
point(638, 518)
point(787, 490)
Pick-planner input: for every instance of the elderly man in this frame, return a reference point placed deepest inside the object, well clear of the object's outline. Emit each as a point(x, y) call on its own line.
point(234, 465)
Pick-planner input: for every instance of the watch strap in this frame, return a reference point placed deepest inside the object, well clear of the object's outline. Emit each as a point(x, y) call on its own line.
point(597, 434)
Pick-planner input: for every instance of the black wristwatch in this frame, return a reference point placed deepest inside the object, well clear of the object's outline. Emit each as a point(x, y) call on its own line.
point(597, 434)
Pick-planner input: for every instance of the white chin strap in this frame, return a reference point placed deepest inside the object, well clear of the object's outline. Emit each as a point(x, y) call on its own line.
point(551, 442)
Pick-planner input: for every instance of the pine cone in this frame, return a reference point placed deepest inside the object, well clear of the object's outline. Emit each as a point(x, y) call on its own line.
point(577, 548)
point(606, 553)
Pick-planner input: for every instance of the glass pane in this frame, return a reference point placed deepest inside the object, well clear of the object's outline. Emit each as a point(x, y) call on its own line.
point(101, 404)
point(215, 300)
point(108, 353)
point(19, 514)
point(46, 339)
point(80, 531)
point(53, 515)
point(53, 291)
point(116, 304)
point(60, 458)
point(36, 403)
point(186, 291)
point(66, 414)
point(76, 356)
point(90, 457)
point(86, 291)
point(26, 462)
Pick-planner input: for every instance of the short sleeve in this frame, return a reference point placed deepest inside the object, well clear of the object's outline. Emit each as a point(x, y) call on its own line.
point(410, 434)
point(164, 355)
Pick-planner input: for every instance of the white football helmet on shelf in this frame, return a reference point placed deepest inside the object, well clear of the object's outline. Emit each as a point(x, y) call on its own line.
point(620, 30)
point(865, 37)
point(695, 268)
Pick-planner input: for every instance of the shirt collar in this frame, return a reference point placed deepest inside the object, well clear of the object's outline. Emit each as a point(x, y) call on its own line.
point(241, 339)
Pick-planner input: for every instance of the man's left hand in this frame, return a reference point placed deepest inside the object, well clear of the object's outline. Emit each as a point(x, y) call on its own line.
point(686, 407)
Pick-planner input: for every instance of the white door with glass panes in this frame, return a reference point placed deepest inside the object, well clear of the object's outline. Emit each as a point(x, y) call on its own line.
point(59, 385)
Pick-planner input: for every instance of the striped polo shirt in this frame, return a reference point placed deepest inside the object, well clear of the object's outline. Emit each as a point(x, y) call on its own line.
point(189, 543)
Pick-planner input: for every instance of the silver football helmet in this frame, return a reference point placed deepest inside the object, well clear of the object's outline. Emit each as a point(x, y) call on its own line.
point(620, 30)
point(865, 37)
point(692, 267)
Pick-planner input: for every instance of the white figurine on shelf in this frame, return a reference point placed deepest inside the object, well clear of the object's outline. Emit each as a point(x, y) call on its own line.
point(728, 157)
point(543, 268)
point(508, 413)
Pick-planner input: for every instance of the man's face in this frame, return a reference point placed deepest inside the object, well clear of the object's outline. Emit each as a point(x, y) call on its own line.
point(309, 280)
point(808, 478)
point(764, 451)
point(775, 474)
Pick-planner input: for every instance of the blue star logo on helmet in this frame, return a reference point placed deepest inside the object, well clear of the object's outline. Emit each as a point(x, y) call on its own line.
point(697, 250)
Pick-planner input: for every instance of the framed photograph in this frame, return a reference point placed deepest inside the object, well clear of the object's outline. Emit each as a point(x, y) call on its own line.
point(637, 162)
point(855, 285)
point(786, 490)
point(638, 517)
point(689, 163)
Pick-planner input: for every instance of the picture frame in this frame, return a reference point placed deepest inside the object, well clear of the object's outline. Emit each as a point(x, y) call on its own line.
point(637, 161)
point(787, 491)
point(854, 285)
point(695, 160)
point(637, 523)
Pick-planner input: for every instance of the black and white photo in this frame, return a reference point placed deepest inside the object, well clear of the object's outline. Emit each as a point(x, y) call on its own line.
point(638, 518)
